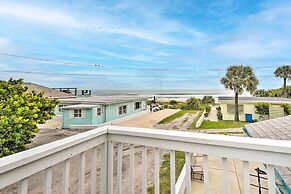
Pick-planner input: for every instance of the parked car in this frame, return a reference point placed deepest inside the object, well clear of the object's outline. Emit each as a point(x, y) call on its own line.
point(155, 109)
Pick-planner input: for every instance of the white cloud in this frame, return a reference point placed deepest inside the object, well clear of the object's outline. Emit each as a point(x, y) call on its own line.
point(249, 48)
point(37, 14)
point(7, 46)
point(262, 35)
point(150, 27)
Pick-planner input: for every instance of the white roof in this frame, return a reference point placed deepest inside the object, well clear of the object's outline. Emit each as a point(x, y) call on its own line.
point(104, 99)
point(81, 106)
point(244, 100)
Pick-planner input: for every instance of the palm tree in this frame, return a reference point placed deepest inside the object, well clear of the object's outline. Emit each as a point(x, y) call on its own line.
point(285, 73)
point(239, 78)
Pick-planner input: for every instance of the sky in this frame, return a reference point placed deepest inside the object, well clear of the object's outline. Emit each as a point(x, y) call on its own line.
point(179, 44)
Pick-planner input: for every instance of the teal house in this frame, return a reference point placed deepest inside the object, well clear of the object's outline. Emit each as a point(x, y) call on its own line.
point(93, 111)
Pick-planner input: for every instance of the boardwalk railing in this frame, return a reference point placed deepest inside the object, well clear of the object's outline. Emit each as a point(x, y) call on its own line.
point(19, 167)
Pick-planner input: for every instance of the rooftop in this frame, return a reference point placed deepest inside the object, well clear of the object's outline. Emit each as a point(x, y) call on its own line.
point(47, 92)
point(81, 106)
point(245, 99)
point(104, 99)
point(278, 129)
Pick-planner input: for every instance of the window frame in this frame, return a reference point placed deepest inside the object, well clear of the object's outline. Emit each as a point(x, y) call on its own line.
point(122, 110)
point(98, 114)
point(135, 107)
point(78, 114)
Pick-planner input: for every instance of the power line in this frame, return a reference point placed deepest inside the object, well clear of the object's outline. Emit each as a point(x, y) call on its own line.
point(82, 64)
point(110, 75)
point(73, 74)
point(50, 60)
point(116, 67)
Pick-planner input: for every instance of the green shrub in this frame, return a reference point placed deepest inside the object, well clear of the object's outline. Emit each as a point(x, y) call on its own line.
point(287, 108)
point(208, 100)
point(207, 108)
point(20, 111)
point(219, 113)
point(262, 109)
point(173, 102)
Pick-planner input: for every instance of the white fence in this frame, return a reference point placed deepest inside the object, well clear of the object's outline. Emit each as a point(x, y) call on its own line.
point(19, 167)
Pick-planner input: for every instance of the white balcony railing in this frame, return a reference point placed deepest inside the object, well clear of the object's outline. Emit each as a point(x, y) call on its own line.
point(109, 140)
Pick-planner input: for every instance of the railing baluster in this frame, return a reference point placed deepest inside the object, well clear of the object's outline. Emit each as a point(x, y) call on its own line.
point(188, 177)
point(225, 179)
point(131, 173)
point(172, 171)
point(66, 177)
point(110, 167)
point(119, 168)
point(104, 169)
point(271, 179)
point(144, 170)
point(23, 186)
point(94, 170)
point(157, 171)
point(82, 174)
point(48, 181)
point(206, 174)
point(246, 177)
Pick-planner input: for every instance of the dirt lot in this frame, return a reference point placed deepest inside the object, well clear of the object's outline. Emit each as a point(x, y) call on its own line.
point(51, 132)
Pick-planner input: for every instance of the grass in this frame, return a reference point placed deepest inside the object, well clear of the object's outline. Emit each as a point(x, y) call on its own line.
point(176, 115)
point(165, 172)
point(221, 124)
point(229, 133)
point(193, 125)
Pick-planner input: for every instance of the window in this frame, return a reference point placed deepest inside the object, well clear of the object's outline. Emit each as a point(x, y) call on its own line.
point(122, 110)
point(231, 109)
point(99, 111)
point(137, 105)
point(77, 113)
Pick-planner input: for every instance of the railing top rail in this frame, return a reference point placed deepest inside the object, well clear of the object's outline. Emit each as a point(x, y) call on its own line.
point(257, 144)
point(253, 144)
point(27, 156)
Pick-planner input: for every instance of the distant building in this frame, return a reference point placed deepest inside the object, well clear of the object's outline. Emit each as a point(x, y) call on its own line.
point(278, 129)
point(93, 111)
point(47, 92)
point(247, 107)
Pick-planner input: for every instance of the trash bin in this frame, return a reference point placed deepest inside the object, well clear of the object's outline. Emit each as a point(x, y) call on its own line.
point(249, 118)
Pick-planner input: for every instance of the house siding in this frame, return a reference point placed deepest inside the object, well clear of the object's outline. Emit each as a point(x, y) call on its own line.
point(112, 110)
point(247, 109)
point(109, 113)
point(67, 121)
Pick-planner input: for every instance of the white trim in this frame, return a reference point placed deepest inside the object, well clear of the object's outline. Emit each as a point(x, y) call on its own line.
point(140, 107)
point(180, 186)
point(96, 111)
point(119, 115)
point(21, 165)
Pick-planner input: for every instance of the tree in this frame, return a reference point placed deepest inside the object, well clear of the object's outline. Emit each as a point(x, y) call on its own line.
point(20, 111)
point(193, 103)
point(239, 78)
point(285, 73)
point(262, 109)
point(208, 100)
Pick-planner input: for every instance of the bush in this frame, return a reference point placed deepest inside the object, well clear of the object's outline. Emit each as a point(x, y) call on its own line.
point(173, 102)
point(20, 111)
point(219, 113)
point(208, 100)
point(262, 109)
point(193, 104)
point(287, 109)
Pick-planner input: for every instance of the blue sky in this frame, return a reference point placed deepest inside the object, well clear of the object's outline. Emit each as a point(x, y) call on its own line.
point(185, 44)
